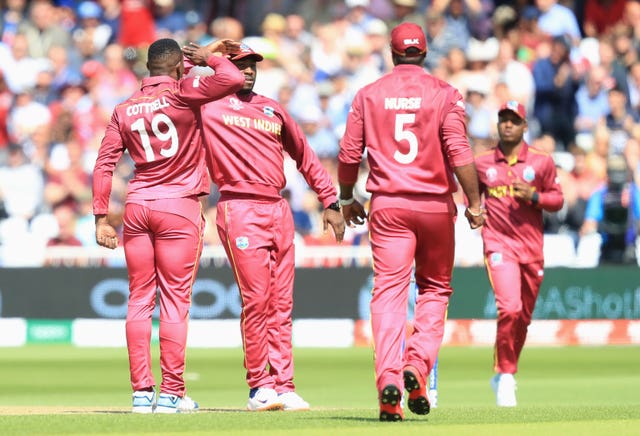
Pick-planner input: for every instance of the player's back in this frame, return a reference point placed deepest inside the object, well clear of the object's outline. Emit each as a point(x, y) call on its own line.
point(403, 115)
point(161, 132)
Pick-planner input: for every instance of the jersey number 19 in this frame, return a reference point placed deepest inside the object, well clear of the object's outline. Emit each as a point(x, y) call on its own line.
point(169, 135)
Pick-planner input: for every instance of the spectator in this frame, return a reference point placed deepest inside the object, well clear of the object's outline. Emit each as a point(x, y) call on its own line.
point(358, 17)
point(68, 182)
point(25, 117)
point(111, 10)
point(227, 27)
point(136, 28)
point(467, 18)
point(600, 16)
point(91, 30)
point(64, 71)
point(115, 81)
point(557, 20)
point(440, 38)
point(515, 74)
point(21, 185)
point(616, 71)
point(613, 211)
point(556, 83)
point(621, 122)
point(527, 36)
point(405, 11)
point(21, 69)
point(66, 235)
point(322, 140)
point(41, 29)
point(377, 36)
point(170, 22)
point(592, 100)
point(12, 14)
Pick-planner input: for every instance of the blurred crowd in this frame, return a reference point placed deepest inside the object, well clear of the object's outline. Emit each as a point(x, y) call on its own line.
point(574, 64)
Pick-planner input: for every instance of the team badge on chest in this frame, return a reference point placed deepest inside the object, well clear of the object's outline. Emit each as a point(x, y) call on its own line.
point(235, 104)
point(492, 174)
point(529, 174)
point(268, 111)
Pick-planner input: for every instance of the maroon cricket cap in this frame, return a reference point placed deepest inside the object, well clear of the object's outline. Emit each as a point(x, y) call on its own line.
point(407, 35)
point(514, 107)
point(245, 52)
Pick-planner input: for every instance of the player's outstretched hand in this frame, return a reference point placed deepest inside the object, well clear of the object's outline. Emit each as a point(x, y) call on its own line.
point(475, 216)
point(196, 53)
point(334, 219)
point(224, 47)
point(106, 235)
point(354, 214)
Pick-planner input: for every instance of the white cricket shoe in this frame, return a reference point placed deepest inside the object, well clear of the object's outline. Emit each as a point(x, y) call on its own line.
point(262, 399)
point(504, 386)
point(144, 401)
point(293, 401)
point(168, 403)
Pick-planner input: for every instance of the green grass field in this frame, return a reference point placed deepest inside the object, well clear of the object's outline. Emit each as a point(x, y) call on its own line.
point(569, 390)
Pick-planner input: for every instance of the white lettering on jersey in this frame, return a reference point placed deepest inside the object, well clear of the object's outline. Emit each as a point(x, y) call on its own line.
point(267, 126)
point(397, 103)
point(234, 120)
point(145, 108)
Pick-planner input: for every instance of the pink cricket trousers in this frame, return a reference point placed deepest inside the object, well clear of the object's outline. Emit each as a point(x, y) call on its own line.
point(257, 235)
point(516, 287)
point(162, 245)
point(398, 237)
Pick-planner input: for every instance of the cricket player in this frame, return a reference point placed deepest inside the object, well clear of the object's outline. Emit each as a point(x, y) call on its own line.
point(159, 126)
point(517, 182)
point(246, 135)
point(412, 126)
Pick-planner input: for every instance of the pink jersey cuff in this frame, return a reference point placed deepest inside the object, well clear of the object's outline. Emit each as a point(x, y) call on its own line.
point(348, 173)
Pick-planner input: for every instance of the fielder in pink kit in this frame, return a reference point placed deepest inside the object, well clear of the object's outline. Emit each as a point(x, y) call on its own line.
point(518, 182)
point(413, 128)
point(246, 136)
point(163, 225)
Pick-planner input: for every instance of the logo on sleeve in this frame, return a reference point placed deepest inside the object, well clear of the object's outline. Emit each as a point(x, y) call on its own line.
point(242, 242)
point(495, 259)
point(268, 111)
point(529, 174)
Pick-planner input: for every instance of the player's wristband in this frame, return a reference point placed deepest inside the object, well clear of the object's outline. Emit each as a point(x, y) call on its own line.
point(479, 213)
point(535, 198)
point(347, 201)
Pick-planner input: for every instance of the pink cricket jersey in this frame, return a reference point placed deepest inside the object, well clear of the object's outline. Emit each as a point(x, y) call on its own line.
point(159, 126)
point(513, 227)
point(246, 136)
point(413, 127)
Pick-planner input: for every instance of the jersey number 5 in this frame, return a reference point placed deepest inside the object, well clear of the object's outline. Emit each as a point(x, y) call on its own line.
point(400, 134)
point(170, 134)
